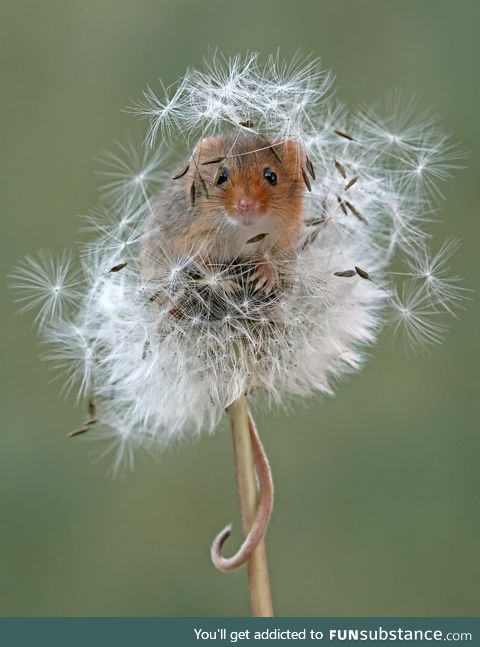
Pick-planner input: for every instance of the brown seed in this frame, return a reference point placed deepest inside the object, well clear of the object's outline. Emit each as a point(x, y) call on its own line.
point(256, 239)
point(117, 268)
point(346, 273)
point(204, 186)
point(182, 173)
point(78, 432)
point(310, 168)
point(306, 180)
point(192, 194)
point(146, 346)
point(356, 212)
point(213, 160)
point(342, 205)
point(341, 169)
point(340, 133)
point(311, 238)
point(362, 273)
point(351, 183)
point(87, 426)
point(154, 296)
point(217, 175)
point(315, 222)
point(272, 146)
point(91, 408)
point(247, 124)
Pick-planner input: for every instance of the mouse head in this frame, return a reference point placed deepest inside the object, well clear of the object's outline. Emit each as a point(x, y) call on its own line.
point(247, 178)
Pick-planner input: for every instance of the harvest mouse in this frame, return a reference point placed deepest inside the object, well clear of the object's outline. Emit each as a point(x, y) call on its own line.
point(239, 197)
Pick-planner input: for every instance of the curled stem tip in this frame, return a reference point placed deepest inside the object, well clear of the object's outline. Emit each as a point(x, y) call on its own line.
point(263, 511)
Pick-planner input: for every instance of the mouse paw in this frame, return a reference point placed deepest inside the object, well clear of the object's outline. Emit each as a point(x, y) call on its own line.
point(229, 285)
point(216, 282)
point(266, 276)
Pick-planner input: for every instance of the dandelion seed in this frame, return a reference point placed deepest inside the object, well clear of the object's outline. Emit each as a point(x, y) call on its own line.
point(163, 113)
point(345, 273)
point(362, 273)
point(204, 186)
point(306, 180)
point(351, 183)
point(256, 239)
point(92, 408)
point(315, 222)
point(341, 169)
point(414, 314)
point(182, 173)
point(78, 432)
point(46, 284)
point(125, 169)
point(433, 271)
point(355, 211)
point(214, 160)
point(340, 133)
point(430, 164)
point(394, 124)
point(73, 354)
point(146, 348)
point(117, 268)
point(83, 430)
point(342, 205)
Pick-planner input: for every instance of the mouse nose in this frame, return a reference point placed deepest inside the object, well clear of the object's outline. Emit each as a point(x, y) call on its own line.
point(246, 205)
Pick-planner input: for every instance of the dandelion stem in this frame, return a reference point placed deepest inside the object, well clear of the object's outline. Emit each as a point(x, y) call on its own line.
point(257, 567)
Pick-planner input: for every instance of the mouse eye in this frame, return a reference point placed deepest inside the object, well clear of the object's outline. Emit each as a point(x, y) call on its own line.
point(221, 176)
point(270, 176)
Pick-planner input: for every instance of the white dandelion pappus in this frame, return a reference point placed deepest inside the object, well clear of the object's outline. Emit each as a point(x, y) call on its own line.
point(127, 170)
point(46, 284)
point(119, 230)
point(432, 270)
point(417, 316)
point(164, 113)
point(165, 338)
point(72, 351)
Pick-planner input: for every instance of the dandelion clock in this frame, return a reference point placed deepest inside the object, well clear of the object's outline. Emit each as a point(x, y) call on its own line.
point(257, 268)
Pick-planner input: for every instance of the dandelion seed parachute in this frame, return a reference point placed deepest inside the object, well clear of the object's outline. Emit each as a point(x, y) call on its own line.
point(47, 285)
point(165, 354)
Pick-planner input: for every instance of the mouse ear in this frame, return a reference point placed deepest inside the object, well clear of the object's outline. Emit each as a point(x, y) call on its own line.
point(293, 154)
point(210, 150)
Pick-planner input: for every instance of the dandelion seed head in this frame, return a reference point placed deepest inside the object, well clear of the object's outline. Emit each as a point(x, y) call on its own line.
point(166, 339)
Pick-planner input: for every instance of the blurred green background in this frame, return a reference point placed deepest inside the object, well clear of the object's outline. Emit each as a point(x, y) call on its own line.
point(377, 489)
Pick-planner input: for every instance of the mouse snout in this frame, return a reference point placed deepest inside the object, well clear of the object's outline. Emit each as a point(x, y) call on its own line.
point(247, 204)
